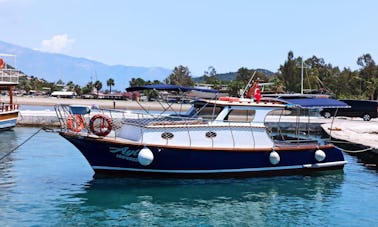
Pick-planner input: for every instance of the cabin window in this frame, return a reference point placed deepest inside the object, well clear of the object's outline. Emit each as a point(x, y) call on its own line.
point(208, 112)
point(241, 115)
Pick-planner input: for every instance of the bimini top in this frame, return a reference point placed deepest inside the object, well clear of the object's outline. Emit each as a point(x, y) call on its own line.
point(315, 103)
point(169, 87)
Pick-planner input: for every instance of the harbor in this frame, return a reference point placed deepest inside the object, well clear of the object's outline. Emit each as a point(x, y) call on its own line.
point(46, 181)
point(41, 164)
point(188, 113)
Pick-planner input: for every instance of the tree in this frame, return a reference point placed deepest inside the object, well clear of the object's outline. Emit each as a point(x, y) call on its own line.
point(289, 73)
point(244, 75)
point(70, 85)
point(78, 90)
point(368, 74)
point(110, 83)
point(210, 78)
point(234, 87)
point(180, 76)
point(98, 86)
point(135, 82)
point(88, 88)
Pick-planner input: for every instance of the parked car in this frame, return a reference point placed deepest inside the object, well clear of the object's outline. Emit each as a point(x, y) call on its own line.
point(365, 109)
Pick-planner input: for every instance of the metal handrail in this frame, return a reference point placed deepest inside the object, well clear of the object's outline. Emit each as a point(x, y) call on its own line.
point(9, 75)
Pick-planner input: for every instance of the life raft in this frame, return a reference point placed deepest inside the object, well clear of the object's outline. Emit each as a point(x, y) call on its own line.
point(75, 122)
point(100, 125)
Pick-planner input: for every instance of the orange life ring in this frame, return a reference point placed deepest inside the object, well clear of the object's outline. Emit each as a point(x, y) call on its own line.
point(100, 125)
point(1, 63)
point(75, 123)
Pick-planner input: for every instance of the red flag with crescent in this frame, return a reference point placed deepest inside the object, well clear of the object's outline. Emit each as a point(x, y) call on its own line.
point(257, 93)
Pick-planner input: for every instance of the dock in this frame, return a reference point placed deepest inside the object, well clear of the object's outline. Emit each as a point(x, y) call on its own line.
point(354, 130)
point(42, 118)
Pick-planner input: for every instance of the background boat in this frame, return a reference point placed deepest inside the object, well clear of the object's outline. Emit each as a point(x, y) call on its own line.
point(8, 80)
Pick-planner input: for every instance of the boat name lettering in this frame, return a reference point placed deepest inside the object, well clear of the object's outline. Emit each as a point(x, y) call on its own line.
point(125, 153)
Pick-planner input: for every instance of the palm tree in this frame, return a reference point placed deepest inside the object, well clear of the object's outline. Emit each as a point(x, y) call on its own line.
point(110, 83)
point(98, 86)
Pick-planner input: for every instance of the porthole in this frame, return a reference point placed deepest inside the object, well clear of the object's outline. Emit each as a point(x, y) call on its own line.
point(167, 135)
point(211, 134)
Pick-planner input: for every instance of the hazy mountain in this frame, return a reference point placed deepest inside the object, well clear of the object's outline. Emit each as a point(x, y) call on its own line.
point(53, 67)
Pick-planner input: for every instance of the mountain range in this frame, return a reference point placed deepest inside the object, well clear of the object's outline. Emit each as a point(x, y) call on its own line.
point(53, 67)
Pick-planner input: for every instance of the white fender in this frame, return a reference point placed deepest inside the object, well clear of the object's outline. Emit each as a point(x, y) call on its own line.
point(145, 156)
point(320, 155)
point(274, 158)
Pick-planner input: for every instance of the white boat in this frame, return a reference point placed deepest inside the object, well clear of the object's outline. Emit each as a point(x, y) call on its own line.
point(218, 138)
point(8, 80)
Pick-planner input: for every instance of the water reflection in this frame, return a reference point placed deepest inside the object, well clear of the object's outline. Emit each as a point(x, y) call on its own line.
point(8, 142)
point(113, 193)
point(149, 202)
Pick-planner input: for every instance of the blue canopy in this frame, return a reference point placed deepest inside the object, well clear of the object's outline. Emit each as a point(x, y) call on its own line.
point(309, 103)
point(169, 87)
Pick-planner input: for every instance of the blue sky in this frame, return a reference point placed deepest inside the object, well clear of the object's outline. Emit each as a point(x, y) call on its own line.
point(195, 33)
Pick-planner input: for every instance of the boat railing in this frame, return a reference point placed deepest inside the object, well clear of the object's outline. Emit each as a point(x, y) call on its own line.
point(74, 118)
point(79, 119)
point(9, 75)
point(5, 107)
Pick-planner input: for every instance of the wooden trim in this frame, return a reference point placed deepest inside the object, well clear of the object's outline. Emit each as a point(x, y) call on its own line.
point(126, 142)
point(10, 115)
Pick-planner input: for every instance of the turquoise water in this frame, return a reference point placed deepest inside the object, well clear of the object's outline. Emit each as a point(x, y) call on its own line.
point(46, 182)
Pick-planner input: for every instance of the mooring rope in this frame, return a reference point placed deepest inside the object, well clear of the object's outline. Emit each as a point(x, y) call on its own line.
point(357, 151)
point(14, 149)
point(351, 151)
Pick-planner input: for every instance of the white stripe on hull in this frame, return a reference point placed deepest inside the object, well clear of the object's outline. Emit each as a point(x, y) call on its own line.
point(307, 166)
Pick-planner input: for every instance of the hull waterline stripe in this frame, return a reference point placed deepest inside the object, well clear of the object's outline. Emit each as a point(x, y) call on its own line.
point(323, 165)
point(313, 166)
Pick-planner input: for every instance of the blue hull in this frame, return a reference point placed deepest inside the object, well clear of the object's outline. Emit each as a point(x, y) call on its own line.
point(112, 157)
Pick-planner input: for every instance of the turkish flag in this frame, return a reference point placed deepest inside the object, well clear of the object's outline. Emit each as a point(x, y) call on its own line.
point(257, 93)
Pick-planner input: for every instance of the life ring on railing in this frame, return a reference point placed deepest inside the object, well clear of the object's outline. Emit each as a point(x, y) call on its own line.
point(100, 125)
point(75, 123)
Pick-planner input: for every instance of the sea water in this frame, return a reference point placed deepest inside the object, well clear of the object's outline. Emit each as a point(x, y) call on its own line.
point(44, 181)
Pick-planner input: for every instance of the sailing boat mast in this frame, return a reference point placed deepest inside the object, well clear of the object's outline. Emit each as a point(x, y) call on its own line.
point(302, 77)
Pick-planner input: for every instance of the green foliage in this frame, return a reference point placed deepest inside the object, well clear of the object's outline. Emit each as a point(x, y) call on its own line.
point(134, 82)
point(110, 83)
point(234, 87)
point(88, 88)
point(98, 86)
point(290, 73)
point(318, 77)
point(180, 76)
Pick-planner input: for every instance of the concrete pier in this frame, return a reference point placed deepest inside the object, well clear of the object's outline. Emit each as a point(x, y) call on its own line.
point(45, 118)
point(354, 130)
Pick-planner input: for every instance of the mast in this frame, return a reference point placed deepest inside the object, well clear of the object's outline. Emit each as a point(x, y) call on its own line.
point(302, 77)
